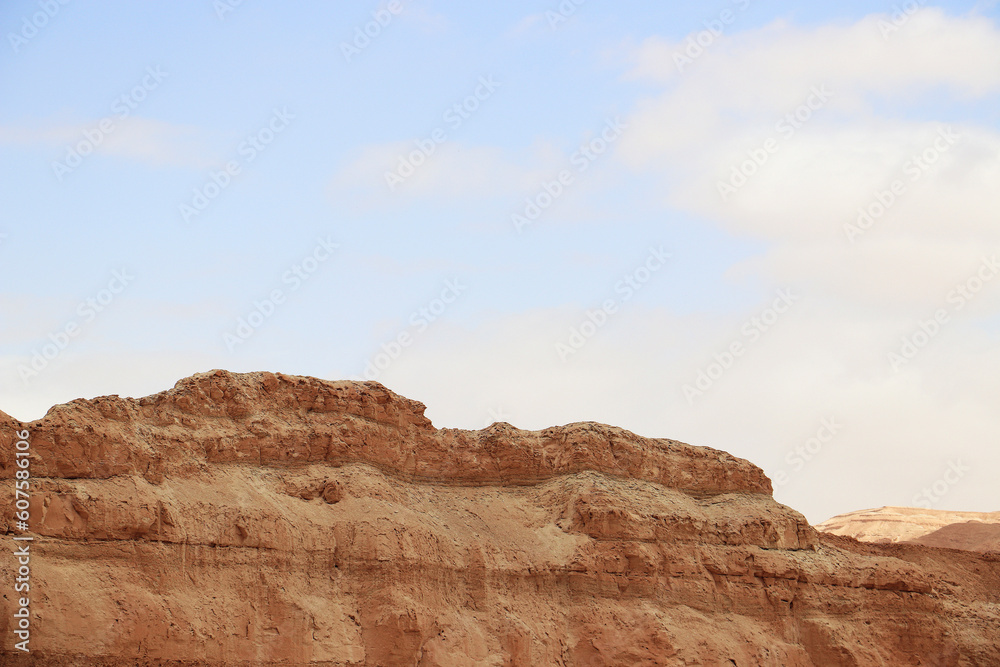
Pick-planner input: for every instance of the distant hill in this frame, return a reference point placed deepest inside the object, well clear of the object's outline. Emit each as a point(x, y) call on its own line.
point(972, 531)
point(971, 536)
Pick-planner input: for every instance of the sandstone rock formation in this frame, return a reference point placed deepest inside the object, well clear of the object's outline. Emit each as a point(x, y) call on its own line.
point(974, 531)
point(267, 519)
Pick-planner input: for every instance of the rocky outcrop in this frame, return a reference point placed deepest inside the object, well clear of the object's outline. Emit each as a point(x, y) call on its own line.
point(267, 519)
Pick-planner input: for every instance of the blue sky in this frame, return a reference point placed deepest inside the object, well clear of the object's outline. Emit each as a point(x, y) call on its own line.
point(329, 127)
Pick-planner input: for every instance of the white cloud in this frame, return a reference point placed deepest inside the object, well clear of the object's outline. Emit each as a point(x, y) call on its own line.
point(720, 139)
point(159, 143)
point(452, 170)
point(143, 140)
point(457, 173)
point(898, 274)
point(768, 68)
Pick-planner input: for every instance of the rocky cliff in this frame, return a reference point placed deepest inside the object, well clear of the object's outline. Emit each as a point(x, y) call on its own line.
point(267, 519)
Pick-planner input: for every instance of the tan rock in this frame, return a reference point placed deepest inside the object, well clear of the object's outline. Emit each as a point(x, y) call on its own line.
point(975, 530)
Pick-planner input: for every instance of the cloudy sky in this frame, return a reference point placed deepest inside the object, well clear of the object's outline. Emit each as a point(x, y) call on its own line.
point(763, 227)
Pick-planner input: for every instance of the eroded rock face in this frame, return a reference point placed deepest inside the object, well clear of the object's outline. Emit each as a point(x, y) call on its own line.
point(266, 519)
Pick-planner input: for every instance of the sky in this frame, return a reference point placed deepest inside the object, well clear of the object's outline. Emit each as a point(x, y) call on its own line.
point(763, 227)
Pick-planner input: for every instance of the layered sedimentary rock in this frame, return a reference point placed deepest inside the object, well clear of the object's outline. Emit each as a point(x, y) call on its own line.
point(974, 531)
point(266, 519)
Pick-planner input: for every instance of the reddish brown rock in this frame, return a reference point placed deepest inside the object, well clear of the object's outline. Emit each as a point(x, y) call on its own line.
point(266, 519)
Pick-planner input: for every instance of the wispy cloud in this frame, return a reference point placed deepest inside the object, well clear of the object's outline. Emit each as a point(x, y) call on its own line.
point(800, 155)
point(145, 140)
